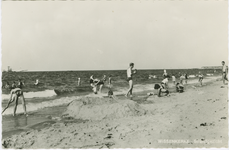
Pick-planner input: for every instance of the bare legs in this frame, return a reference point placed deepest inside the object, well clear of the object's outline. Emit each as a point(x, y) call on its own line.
point(23, 104)
point(224, 77)
point(130, 88)
point(100, 88)
point(15, 98)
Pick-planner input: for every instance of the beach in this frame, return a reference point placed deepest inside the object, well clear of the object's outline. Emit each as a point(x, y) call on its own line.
point(196, 118)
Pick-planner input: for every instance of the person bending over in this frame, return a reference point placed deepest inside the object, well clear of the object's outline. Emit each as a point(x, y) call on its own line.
point(14, 95)
point(161, 90)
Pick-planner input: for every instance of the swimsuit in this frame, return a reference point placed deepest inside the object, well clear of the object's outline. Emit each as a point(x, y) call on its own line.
point(129, 78)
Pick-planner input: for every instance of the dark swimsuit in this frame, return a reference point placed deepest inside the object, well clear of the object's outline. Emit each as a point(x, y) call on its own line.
point(129, 78)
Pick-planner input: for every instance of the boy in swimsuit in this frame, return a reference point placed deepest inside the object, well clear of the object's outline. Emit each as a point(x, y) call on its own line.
point(130, 74)
point(224, 72)
point(14, 95)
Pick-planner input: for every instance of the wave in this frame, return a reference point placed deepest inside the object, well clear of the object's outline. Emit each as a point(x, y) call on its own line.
point(36, 106)
point(39, 94)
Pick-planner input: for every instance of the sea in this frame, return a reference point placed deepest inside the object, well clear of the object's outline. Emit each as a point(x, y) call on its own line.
point(43, 102)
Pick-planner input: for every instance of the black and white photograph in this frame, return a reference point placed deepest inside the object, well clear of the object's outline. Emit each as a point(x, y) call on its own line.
point(114, 74)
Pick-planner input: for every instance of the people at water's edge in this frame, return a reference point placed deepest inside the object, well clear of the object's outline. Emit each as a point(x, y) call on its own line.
point(101, 83)
point(201, 77)
point(37, 82)
point(14, 95)
point(92, 84)
point(110, 81)
point(186, 78)
point(20, 84)
point(79, 82)
point(224, 72)
point(130, 73)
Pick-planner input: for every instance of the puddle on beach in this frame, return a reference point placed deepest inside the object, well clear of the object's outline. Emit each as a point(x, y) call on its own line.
point(36, 120)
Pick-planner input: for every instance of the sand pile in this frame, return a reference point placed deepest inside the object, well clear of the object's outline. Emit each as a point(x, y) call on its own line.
point(96, 108)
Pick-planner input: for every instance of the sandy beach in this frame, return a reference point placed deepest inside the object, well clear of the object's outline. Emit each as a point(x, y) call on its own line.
point(196, 118)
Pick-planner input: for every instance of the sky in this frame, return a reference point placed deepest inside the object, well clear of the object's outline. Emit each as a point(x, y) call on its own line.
point(108, 35)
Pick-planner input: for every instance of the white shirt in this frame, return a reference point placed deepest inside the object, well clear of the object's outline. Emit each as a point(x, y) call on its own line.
point(174, 78)
point(165, 81)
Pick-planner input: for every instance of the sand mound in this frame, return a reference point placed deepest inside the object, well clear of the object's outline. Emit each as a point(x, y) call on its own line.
point(96, 108)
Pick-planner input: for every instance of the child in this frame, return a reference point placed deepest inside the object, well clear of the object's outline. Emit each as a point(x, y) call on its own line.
point(179, 87)
point(164, 82)
point(161, 90)
point(201, 77)
point(182, 78)
point(174, 79)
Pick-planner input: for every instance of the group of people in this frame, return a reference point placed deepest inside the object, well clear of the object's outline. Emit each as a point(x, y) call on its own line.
point(14, 85)
point(163, 86)
point(16, 90)
point(97, 84)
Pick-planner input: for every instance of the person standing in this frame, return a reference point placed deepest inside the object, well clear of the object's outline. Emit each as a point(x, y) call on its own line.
point(186, 78)
point(224, 71)
point(201, 77)
point(79, 82)
point(174, 79)
point(101, 83)
point(130, 73)
point(110, 81)
point(165, 74)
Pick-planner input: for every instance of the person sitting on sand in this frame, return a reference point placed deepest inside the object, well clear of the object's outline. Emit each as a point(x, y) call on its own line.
point(14, 95)
point(201, 77)
point(130, 74)
point(224, 72)
point(179, 87)
point(161, 90)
